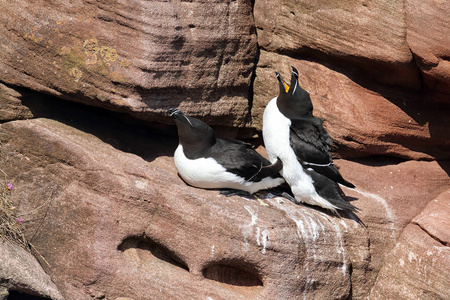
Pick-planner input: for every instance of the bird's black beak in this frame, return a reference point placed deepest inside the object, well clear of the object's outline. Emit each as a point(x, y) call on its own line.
point(294, 72)
point(283, 85)
point(178, 115)
point(294, 79)
point(173, 111)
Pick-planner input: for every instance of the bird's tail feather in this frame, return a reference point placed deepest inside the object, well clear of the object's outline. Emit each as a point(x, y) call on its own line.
point(272, 170)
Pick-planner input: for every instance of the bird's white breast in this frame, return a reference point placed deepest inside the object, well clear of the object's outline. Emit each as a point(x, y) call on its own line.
point(201, 172)
point(207, 173)
point(276, 134)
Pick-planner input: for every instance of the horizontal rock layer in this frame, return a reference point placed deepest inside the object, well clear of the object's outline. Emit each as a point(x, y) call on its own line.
point(114, 226)
point(362, 121)
point(109, 224)
point(365, 34)
point(21, 272)
point(139, 57)
point(428, 36)
point(143, 58)
point(94, 188)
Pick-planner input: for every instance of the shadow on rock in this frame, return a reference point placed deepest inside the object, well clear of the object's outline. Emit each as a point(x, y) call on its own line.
point(123, 132)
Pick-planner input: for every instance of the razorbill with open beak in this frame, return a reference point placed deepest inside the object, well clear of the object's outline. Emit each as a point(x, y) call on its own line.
point(292, 134)
point(204, 161)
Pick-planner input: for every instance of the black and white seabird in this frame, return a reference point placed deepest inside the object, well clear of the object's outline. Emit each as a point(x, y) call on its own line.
point(204, 161)
point(292, 134)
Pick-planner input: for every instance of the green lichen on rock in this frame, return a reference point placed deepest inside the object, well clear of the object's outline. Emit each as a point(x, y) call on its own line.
point(89, 57)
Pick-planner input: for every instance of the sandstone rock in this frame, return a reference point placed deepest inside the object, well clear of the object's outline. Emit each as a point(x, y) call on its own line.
point(11, 107)
point(138, 57)
point(428, 36)
point(395, 193)
point(124, 227)
point(121, 226)
point(370, 35)
point(364, 57)
point(104, 203)
point(20, 271)
point(434, 219)
point(417, 268)
point(363, 119)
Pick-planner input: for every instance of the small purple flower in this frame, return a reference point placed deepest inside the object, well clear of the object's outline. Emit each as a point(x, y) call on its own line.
point(9, 186)
point(19, 220)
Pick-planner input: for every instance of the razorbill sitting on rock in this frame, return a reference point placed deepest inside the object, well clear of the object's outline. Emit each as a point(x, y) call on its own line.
point(205, 161)
point(292, 134)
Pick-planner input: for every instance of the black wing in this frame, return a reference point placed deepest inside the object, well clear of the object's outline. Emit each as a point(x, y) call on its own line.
point(241, 159)
point(310, 141)
point(312, 146)
point(331, 191)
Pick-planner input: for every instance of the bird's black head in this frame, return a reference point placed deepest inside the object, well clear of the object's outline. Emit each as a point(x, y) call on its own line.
point(194, 135)
point(293, 101)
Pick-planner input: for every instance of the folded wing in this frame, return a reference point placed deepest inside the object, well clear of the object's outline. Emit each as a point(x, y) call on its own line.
point(312, 146)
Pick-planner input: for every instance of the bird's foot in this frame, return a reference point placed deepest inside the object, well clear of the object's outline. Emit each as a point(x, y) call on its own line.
point(232, 192)
point(285, 195)
point(289, 197)
point(257, 197)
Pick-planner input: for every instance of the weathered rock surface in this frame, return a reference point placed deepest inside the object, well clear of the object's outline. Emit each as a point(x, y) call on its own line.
point(103, 201)
point(417, 268)
point(398, 192)
point(381, 66)
point(113, 225)
point(434, 219)
point(370, 35)
point(139, 57)
point(11, 107)
point(395, 42)
point(143, 58)
point(21, 272)
point(362, 121)
point(428, 36)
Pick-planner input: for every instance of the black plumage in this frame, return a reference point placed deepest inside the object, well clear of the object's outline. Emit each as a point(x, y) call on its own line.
point(330, 190)
point(241, 159)
point(237, 157)
point(312, 146)
point(308, 138)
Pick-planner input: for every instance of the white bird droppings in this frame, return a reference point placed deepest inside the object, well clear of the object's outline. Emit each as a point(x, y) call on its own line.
point(141, 184)
point(253, 214)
